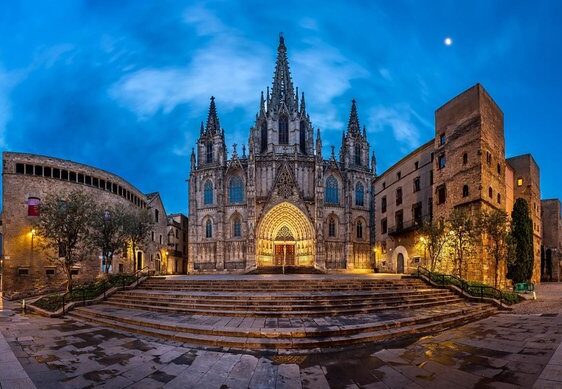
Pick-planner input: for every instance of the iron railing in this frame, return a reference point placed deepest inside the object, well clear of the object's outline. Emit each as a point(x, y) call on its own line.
point(85, 293)
point(474, 290)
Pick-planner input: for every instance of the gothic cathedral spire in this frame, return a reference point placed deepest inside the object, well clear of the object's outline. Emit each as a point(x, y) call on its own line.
point(213, 125)
point(282, 90)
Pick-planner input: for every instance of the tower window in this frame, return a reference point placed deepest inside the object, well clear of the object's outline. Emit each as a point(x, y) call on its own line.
point(209, 152)
point(464, 158)
point(359, 194)
point(441, 194)
point(490, 192)
point(20, 169)
point(156, 215)
point(208, 193)
point(384, 226)
point(398, 196)
point(302, 136)
point(416, 165)
point(398, 175)
point(499, 198)
point(357, 154)
point(209, 229)
point(499, 168)
point(264, 136)
point(332, 227)
point(33, 204)
point(236, 190)
point(383, 204)
point(520, 181)
point(465, 191)
point(283, 130)
point(332, 190)
point(399, 219)
point(417, 184)
point(441, 161)
point(442, 139)
point(488, 158)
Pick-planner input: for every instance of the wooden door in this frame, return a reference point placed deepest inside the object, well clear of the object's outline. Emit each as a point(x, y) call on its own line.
point(290, 255)
point(278, 259)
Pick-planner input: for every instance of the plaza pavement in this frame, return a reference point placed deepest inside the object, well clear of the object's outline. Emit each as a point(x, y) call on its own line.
point(518, 349)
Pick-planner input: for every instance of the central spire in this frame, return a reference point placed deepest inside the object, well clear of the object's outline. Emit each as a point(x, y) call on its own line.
point(213, 125)
point(282, 90)
point(353, 124)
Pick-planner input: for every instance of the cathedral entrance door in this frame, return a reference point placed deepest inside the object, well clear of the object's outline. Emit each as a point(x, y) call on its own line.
point(284, 255)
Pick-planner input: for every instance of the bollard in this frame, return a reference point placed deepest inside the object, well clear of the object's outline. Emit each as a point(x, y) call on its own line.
point(23, 305)
point(534, 295)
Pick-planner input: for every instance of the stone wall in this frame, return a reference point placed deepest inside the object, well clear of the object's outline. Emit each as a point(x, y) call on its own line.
point(552, 239)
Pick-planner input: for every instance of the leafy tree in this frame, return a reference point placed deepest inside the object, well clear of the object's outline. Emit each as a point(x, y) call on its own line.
point(495, 226)
point(63, 229)
point(461, 237)
point(433, 239)
point(520, 266)
point(107, 232)
point(137, 226)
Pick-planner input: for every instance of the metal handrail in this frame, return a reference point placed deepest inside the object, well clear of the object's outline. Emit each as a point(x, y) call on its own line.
point(477, 291)
point(101, 288)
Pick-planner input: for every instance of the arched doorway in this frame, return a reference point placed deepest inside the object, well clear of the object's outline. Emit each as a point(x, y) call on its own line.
point(285, 236)
point(400, 263)
point(139, 260)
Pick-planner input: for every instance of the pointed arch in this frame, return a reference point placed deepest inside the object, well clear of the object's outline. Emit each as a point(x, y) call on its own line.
point(236, 190)
point(209, 228)
point(263, 141)
point(236, 225)
point(332, 190)
point(283, 129)
point(358, 154)
point(302, 136)
point(208, 192)
point(209, 152)
point(359, 194)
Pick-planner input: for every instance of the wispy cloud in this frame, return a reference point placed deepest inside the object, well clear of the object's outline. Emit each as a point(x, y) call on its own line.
point(405, 124)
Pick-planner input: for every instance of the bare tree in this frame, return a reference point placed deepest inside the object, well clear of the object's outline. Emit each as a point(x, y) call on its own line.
point(63, 229)
point(495, 226)
point(137, 226)
point(461, 237)
point(107, 232)
point(433, 238)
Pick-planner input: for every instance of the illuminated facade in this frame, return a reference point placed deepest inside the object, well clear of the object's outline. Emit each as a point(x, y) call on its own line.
point(282, 203)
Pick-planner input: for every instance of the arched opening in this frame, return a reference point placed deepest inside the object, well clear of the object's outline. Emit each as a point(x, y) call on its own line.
point(400, 263)
point(283, 130)
point(302, 136)
point(139, 260)
point(236, 190)
point(285, 237)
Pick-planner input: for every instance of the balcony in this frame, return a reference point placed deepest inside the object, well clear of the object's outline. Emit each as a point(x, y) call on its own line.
point(405, 227)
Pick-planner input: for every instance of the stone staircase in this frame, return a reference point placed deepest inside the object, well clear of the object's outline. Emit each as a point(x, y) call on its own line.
point(283, 314)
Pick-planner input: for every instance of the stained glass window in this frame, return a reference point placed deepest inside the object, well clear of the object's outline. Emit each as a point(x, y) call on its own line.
point(359, 194)
point(236, 190)
point(208, 193)
point(332, 191)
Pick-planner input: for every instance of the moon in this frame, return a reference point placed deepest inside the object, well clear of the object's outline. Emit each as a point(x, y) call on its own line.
point(448, 41)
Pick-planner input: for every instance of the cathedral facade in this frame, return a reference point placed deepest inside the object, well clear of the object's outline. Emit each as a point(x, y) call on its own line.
point(281, 203)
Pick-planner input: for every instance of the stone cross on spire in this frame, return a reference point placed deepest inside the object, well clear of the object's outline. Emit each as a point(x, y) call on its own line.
point(282, 89)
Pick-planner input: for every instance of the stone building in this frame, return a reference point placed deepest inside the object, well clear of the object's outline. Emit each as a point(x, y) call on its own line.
point(464, 166)
point(551, 253)
point(282, 203)
point(178, 228)
point(26, 180)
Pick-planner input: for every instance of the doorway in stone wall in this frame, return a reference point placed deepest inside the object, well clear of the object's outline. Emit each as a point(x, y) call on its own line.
point(400, 263)
point(139, 260)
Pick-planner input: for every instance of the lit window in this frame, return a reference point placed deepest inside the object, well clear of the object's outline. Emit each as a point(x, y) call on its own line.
point(33, 204)
point(520, 181)
point(332, 190)
point(208, 193)
point(359, 194)
point(236, 190)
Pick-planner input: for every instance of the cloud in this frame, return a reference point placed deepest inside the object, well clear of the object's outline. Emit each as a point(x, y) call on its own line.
point(405, 123)
point(8, 80)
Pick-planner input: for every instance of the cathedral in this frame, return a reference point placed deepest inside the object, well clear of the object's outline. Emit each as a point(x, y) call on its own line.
point(283, 203)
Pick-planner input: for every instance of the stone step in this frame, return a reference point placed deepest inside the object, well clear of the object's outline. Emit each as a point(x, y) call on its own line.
point(273, 288)
point(226, 310)
point(311, 304)
point(284, 338)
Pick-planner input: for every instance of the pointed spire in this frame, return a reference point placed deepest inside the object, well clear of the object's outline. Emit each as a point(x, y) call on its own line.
point(364, 132)
point(303, 105)
point(243, 151)
point(297, 98)
point(353, 125)
point(282, 89)
point(262, 104)
point(213, 125)
point(318, 143)
point(373, 163)
point(193, 159)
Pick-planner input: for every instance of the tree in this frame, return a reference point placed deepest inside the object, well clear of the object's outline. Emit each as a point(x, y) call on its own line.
point(495, 226)
point(461, 237)
point(433, 239)
point(520, 266)
point(137, 226)
point(63, 229)
point(107, 232)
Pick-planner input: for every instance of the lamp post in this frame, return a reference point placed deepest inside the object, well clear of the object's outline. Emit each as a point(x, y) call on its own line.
point(105, 254)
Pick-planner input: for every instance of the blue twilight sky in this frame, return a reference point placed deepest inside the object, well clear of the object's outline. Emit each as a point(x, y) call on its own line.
point(123, 85)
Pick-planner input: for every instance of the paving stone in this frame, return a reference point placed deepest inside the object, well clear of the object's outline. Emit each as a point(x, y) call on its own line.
point(288, 377)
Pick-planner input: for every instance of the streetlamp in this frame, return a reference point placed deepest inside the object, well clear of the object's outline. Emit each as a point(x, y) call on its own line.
point(105, 253)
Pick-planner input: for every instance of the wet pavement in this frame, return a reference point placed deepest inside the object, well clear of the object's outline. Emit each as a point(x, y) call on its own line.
point(503, 351)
